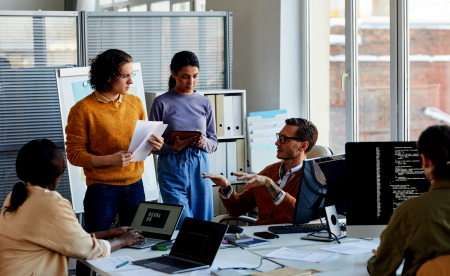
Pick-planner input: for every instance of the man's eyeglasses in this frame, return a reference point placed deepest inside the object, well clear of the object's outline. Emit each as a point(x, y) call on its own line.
point(283, 138)
point(129, 77)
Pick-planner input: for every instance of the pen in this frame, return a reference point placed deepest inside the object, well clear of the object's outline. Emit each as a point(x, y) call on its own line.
point(237, 236)
point(122, 264)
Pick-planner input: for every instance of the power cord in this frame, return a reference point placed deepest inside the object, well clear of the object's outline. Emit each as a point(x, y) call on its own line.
point(253, 268)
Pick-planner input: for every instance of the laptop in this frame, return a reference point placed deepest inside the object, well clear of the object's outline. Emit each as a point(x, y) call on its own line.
point(195, 248)
point(157, 221)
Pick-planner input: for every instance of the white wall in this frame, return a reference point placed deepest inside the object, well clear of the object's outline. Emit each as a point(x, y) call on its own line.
point(32, 5)
point(320, 68)
point(256, 49)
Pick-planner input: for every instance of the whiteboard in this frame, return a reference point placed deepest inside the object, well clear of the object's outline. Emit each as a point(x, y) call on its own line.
point(73, 85)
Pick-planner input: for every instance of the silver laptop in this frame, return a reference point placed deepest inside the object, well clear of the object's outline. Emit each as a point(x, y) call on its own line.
point(196, 247)
point(157, 221)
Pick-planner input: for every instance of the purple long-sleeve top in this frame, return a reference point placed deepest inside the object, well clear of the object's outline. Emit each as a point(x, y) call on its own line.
point(185, 112)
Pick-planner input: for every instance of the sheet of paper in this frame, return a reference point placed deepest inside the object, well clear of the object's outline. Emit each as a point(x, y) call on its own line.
point(142, 272)
point(219, 263)
point(297, 255)
point(109, 264)
point(353, 248)
point(144, 130)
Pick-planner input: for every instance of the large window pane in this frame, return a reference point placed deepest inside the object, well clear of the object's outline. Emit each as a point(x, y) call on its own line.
point(182, 6)
point(374, 70)
point(160, 6)
point(429, 64)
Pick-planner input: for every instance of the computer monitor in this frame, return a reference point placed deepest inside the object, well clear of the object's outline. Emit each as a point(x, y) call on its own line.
point(322, 184)
point(380, 175)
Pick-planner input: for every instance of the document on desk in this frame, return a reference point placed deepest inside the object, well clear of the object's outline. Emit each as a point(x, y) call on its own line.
point(110, 264)
point(353, 248)
point(143, 131)
point(297, 255)
point(143, 272)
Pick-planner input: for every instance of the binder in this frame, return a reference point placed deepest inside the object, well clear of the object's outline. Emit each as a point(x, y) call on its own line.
point(231, 161)
point(237, 115)
point(212, 98)
point(220, 115)
point(240, 155)
point(228, 115)
point(219, 159)
point(216, 200)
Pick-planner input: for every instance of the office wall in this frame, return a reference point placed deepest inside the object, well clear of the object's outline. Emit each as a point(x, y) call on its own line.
point(320, 68)
point(32, 5)
point(266, 51)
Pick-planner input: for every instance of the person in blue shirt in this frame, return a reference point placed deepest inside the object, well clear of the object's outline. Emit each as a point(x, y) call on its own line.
point(180, 165)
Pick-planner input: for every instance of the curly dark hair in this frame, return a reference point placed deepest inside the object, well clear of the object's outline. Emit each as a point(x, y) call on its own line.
point(105, 69)
point(306, 131)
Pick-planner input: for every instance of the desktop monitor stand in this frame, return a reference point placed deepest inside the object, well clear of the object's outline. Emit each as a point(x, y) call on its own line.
point(333, 228)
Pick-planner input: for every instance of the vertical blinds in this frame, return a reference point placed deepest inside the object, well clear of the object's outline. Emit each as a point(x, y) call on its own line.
point(153, 41)
point(31, 48)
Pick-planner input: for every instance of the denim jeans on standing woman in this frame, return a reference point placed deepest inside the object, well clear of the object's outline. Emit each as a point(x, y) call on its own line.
point(101, 204)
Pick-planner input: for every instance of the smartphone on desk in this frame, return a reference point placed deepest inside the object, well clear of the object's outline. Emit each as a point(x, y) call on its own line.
point(266, 235)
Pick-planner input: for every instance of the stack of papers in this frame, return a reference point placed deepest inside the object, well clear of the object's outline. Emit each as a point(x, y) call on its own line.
point(353, 248)
point(297, 255)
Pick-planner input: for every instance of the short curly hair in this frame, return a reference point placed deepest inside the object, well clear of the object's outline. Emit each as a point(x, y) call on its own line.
point(306, 131)
point(105, 69)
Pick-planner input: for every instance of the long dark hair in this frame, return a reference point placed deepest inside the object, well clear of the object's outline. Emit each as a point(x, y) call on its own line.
point(105, 69)
point(39, 162)
point(434, 143)
point(179, 60)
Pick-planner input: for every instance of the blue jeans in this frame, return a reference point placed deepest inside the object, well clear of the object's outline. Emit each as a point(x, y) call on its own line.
point(102, 202)
point(180, 182)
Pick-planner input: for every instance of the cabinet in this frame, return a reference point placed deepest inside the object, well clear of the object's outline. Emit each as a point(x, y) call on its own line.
point(231, 155)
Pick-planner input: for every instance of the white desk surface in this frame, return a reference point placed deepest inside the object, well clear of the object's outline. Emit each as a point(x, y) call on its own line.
point(338, 265)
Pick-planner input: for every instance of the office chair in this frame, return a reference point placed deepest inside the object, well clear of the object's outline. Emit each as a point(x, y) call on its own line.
point(316, 151)
point(439, 266)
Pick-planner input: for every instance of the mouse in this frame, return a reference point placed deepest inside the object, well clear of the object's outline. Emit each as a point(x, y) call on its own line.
point(234, 229)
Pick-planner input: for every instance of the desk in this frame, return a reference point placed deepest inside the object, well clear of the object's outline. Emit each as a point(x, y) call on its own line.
point(338, 265)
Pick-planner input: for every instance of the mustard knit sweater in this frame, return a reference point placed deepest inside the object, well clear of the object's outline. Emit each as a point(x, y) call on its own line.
point(98, 128)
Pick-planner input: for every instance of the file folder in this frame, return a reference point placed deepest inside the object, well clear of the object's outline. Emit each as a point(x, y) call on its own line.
point(231, 161)
point(212, 98)
point(237, 115)
point(240, 156)
point(267, 114)
point(220, 115)
point(267, 122)
point(219, 159)
point(262, 156)
point(228, 115)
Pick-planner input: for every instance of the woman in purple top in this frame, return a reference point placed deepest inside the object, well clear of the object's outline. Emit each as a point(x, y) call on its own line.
point(180, 165)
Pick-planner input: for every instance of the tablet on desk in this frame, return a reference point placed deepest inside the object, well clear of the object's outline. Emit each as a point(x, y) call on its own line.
point(183, 134)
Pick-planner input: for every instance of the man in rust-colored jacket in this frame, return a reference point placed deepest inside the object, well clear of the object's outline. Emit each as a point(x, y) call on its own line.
point(273, 190)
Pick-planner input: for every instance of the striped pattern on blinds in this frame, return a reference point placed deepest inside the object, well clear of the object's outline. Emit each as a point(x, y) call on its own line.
point(31, 47)
point(153, 41)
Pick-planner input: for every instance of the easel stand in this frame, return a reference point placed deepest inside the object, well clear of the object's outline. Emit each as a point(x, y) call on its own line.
point(333, 229)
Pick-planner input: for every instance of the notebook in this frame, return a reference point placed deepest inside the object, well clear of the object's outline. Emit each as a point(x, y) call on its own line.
point(233, 238)
point(195, 248)
point(157, 221)
point(252, 243)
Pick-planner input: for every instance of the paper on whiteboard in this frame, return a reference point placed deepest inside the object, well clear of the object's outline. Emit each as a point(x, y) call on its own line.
point(143, 131)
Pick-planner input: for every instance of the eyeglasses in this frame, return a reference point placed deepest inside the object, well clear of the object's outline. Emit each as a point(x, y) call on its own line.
point(129, 77)
point(283, 138)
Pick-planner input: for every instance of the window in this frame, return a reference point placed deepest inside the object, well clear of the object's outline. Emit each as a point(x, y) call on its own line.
point(182, 6)
point(142, 7)
point(160, 6)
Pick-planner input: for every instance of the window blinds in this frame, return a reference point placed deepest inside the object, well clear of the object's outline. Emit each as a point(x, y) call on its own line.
point(31, 47)
point(153, 40)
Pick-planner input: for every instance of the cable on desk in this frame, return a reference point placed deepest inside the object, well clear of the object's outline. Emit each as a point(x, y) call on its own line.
point(253, 268)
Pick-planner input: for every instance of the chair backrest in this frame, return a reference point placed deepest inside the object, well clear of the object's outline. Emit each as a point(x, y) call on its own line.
point(439, 266)
point(319, 151)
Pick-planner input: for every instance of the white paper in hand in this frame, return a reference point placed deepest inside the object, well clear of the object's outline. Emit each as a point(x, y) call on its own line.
point(143, 131)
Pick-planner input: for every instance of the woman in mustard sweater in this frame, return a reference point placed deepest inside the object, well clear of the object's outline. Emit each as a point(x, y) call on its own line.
point(99, 131)
point(38, 228)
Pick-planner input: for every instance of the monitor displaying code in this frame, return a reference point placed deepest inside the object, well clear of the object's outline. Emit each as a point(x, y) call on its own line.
point(380, 176)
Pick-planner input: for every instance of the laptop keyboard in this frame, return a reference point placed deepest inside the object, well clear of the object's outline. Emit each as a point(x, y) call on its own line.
point(169, 262)
point(148, 243)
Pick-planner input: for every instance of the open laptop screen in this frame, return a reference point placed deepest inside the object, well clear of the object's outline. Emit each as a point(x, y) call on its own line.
point(198, 240)
point(157, 220)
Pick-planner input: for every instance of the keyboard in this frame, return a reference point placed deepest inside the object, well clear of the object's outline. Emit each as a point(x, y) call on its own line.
point(301, 228)
point(166, 260)
point(147, 243)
